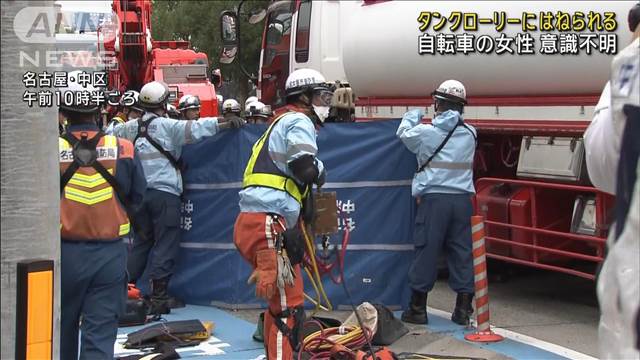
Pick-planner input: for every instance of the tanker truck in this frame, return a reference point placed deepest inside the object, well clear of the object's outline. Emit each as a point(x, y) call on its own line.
point(530, 108)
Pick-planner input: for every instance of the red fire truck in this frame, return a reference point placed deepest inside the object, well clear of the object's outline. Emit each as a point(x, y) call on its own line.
point(135, 58)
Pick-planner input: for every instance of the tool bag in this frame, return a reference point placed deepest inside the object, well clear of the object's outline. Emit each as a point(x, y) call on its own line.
point(389, 328)
point(135, 313)
point(176, 333)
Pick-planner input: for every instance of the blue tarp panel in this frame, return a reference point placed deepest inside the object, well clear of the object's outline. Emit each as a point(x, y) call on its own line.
point(371, 172)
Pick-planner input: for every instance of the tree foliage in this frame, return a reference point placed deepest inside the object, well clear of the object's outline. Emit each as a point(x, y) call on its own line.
point(199, 22)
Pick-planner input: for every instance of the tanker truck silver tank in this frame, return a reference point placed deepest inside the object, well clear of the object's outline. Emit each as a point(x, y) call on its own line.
point(380, 51)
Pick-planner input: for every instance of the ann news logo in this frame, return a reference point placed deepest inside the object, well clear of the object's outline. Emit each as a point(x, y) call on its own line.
point(75, 32)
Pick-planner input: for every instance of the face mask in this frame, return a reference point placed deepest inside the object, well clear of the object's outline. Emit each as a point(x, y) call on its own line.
point(322, 112)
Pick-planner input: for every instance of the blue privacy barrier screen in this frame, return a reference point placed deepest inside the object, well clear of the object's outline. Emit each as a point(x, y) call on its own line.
point(371, 172)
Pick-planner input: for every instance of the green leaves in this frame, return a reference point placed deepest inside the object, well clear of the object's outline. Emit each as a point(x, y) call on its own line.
point(198, 22)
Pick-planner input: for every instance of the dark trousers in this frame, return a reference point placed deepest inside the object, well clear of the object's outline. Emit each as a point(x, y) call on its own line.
point(93, 295)
point(443, 222)
point(158, 227)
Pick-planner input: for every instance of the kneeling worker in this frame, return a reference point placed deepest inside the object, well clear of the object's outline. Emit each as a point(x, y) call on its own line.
point(444, 183)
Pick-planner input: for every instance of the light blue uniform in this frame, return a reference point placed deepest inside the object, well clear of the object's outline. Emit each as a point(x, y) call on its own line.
point(158, 218)
point(443, 217)
point(171, 135)
point(451, 170)
point(292, 137)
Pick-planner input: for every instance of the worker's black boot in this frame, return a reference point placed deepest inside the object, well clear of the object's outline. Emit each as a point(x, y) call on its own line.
point(417, 311)
point(159, 303)
point(463, 309)
point(174, 302)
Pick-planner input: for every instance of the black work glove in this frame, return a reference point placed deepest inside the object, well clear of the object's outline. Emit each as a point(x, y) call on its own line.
point(308, 209)
point(233, 122)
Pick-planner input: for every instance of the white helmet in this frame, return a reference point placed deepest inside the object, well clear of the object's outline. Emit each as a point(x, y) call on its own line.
point(154, 95)
point(231, 105)
point(189, 102)
point(303, 80)
point(451, 90)
point(250, 99)
point(69, 97)
point(254, 108)
point(266, 111)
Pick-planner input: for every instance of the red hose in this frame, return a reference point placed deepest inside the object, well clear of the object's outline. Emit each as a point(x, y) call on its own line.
point(324, 266)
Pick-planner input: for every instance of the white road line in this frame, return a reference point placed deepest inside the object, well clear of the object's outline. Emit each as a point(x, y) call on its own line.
point(525, 339)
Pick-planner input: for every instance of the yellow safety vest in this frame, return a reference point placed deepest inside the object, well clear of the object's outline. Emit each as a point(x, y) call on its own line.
point(261, 171)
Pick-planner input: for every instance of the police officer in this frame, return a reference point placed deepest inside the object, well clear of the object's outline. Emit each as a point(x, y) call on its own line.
point(444, 184)
point(101, 183)
point(158, 142)
point(189, 107)
point(280, 173)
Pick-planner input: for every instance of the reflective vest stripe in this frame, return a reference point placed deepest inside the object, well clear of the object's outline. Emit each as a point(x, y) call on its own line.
point(275, 182)
point(124, 229)
point(63, 144)
point(110, 141)
point(274, 178)
point(86, 197)
point(88, 181)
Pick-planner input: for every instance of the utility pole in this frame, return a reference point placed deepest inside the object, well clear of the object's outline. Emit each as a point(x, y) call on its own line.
point(29, 165)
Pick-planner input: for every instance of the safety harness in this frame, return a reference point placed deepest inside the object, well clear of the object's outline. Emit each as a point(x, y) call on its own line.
point(261, 171)
point(143, 132)
point(444, 142)
point(293, 334)
point(85, 154)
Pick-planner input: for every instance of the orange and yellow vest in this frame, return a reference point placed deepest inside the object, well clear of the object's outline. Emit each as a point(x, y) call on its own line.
point(89, 206)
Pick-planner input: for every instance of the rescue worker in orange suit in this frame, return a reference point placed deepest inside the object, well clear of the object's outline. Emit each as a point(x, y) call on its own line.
point(100, 181)
point(444, 183)
point(277, 180)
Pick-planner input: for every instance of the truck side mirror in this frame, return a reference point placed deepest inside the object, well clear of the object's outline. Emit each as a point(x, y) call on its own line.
point(229, 36)
point(275, 32)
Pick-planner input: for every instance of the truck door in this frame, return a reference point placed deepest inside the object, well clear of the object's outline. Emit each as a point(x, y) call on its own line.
point(275, 55)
